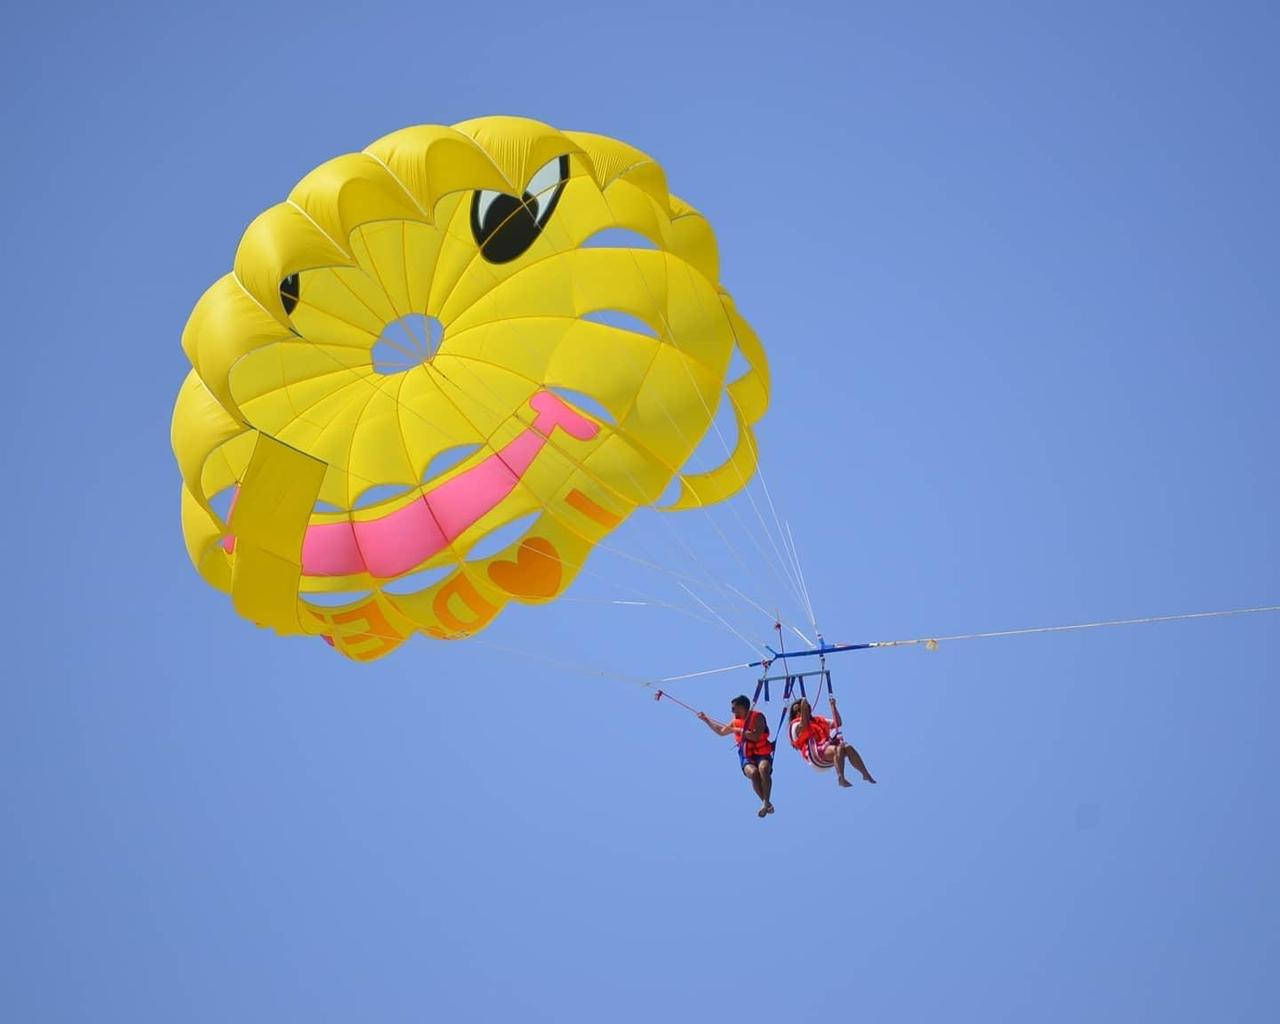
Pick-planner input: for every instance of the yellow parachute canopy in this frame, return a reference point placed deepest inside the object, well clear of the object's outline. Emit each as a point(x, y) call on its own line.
point(438, 338)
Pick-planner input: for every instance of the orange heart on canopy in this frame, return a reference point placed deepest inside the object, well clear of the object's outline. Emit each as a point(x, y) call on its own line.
point(535, 572)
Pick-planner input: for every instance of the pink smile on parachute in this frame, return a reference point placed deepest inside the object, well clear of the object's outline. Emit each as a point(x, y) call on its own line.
point(398, 541)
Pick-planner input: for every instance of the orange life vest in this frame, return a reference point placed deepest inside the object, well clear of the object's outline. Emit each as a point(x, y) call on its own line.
point(817, 732)
point(753, 748)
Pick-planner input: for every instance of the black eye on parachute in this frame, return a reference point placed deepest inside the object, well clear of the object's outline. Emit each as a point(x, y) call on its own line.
point(289, 294)
point(504, 226)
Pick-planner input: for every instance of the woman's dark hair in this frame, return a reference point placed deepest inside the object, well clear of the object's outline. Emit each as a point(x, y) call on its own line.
point(740, 701)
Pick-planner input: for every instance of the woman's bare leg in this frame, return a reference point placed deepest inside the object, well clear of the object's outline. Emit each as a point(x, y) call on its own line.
point(839, 765)
point(855, 759)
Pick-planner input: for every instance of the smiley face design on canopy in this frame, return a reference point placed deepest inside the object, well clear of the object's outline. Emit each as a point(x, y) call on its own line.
point(490, 330)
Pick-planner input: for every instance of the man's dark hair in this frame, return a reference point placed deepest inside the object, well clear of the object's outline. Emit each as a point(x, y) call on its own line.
point(740, 701)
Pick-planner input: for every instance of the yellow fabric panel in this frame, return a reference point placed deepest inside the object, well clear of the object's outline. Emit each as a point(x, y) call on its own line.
point(586, 212)
point(352, 296)
point(673, 406)
point(264, 590)
point(749, 344)
point(602, 361)
point(458, 255)
point(327, 430)
point(625, 470)
point(692, 239)
point(517, 145)
point(277, 243)
point(749, 395)
point(201, 533)
point(654, 286)
point(270, 518)
point(613, 160)
point(225, 324)
point(598, 359)
point(226, 464)
point(432, 421)
point(364, 630)
point(422, 247)
point(431, 161)
point(634, 476)
point(381, 247)
point(276, 497)
point(348, 191)
point(200, 425)
point(379, 450)
point(728, 478)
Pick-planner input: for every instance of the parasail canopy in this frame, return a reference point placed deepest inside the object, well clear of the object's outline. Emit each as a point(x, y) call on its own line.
point(490, 330)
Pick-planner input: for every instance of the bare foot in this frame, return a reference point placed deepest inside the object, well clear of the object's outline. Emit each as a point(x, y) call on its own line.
point(868, 778)
point(769, 807)
point(844, 782)
point(763, 811)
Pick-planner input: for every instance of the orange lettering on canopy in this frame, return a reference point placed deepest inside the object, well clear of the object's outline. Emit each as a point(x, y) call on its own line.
point(373, 637)
point(469, 599)
point(580, 502)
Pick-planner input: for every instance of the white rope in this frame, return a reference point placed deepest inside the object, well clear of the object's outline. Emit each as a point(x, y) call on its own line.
point(804, 584)
point(704, 672)
point(573, 667)
point(750, 645)
point(931, 642)
point(776, 617)
point(935, 640)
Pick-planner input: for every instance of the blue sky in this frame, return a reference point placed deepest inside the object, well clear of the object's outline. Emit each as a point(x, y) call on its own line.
point(1015, 267)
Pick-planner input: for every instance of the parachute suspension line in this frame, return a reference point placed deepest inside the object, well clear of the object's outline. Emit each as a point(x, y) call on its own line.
point(782, 647)
point(764, 485)
point(714, 426)
point(614, 549)
point(773, 563)
point(776, 562)
point(931, 643)
point(729, 545)
point(681, 609)
point(763, 612)
point(753, 647)
point(577, 668)
point(711, 576)
point(786, 691)
point(804, 585)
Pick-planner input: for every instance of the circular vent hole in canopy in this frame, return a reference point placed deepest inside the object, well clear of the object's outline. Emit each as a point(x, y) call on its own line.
point(406, 342)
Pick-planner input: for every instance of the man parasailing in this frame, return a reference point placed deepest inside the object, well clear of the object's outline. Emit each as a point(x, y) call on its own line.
point(755, 751)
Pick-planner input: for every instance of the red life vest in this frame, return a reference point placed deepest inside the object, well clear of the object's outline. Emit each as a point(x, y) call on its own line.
point(753, 748)
point(818, 732)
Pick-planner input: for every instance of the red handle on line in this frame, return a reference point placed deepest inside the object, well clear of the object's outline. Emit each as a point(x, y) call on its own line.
point(660, 694)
